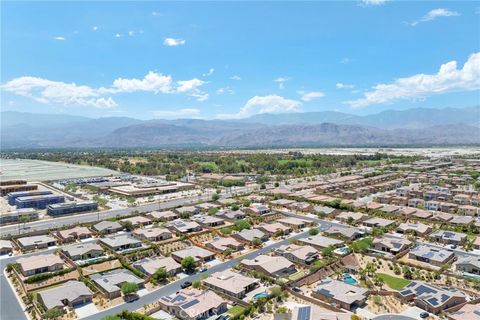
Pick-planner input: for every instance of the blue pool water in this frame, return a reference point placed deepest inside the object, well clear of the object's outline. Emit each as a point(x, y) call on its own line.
point(348, 279)
point(260, 295)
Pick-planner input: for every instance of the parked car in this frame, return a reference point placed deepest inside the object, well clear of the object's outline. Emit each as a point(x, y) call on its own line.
point(424, 315)
point(186, 284)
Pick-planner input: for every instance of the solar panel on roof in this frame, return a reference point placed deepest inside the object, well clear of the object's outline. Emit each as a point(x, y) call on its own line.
point(304, 313)
point(433, 301)
point(444, 297)
point(421, 289)
point(178, 298)
point(190, 303)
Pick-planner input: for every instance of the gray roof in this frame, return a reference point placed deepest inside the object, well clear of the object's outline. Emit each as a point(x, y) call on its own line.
point(250, 234)
point(341, 291)
point(111, 281)
point(118, 241)
point(433, 254)
point(71, 290)
point(106, 225)
point(431, 295)
point(321, 241)
point(80, 248)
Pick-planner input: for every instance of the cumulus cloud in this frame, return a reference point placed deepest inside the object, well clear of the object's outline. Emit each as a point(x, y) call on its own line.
point(309, 96)
point(47, 91)
point(448, 79)
point(281, 81)
point(94, 28)
point(373, 2)
point(187, 112)
point(172, 42)
point(435, 13)
point(57, 92)
point(265, 104)
point(225, 90)
point(235, 77)
point(59, 38)
point(341, 85)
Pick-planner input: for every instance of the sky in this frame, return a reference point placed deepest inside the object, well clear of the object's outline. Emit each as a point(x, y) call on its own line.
point(237, 59)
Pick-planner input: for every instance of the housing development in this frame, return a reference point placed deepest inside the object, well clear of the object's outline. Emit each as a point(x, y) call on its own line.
point(374, 240)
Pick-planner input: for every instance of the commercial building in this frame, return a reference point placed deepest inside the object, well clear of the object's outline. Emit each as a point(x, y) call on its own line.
point(38, 202)
point(59, 209)
point(29, 214)
point(4, 190)
point(12, 196)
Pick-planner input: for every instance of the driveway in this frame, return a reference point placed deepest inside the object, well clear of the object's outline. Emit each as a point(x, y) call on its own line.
point(86, 310)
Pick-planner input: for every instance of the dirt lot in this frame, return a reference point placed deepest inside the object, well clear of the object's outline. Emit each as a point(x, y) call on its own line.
point(100, 267)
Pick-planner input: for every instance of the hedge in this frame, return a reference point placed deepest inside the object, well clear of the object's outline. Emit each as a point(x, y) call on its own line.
point(44, 276)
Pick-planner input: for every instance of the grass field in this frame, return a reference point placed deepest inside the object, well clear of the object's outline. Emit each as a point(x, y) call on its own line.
point(236, 311)
point(394, 282)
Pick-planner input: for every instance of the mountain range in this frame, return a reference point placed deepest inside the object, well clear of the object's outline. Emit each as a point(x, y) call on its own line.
point(412, 127)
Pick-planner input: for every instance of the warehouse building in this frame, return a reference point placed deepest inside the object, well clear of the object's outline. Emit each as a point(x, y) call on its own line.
point(59, 209)
point(30, 214)
point(4, 190)
point(38, 202)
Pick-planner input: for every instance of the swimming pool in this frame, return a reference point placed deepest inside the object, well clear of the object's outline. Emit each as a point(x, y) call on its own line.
point(348, 279)
point(260, 295)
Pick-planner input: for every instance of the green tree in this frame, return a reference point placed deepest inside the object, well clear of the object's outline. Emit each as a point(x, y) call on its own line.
point(188, 263)
point(160, 275)
point(313, 231)
point(242, 224)
point(196, 284)
point(215, 197)
point(129, 288)
point(355, 317)
point(256, 242)
point(328, 252)
point(111, 318)
point(53, 313)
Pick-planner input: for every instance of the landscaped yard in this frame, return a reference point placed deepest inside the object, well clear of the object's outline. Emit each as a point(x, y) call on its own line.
point(296, 275)
point(393, 282)
point(236, 311)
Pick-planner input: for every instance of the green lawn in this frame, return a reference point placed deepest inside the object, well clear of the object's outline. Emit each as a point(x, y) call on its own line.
point(319, 263)
point(394, 282)
point(236, 311)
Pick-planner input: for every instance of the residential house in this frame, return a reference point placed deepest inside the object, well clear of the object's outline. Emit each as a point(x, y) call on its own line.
point(36, 242)
point(469, 264)
point(152, 234)
point(295, 223)
point(5, 247)
point(339, 293)
point(347, 216)
point(72, 293)
point(73, 234)
point(431, 298)
point(431, 255)
point(222, 244)
point(162, 215)
point(231, 283)
point(207, 221)
point(83, 251)
point(150, 265)
point(320, 242)
point(258, 209)
point(181, 226)
point(37, 264)
point(121, 243)
point(467, 210)
point(448, 237)
point(432, 205)
point(348, 233)
point(248, 235)
point(273, 229)
point(111, 282)
point(391, 245)
point(274, 266)
point(197, 253)
point(418, 229)
point(467, 312)
point(298, 254)
point(137, 221)
point(231, 215)
point(107, 227)
point(193, 304)
point(378, 223)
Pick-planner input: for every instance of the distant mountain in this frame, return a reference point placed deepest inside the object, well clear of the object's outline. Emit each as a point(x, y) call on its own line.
point(390, 119)
point(389, 128)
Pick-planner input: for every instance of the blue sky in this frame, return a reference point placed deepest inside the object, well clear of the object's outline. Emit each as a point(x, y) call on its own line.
point(236, 59)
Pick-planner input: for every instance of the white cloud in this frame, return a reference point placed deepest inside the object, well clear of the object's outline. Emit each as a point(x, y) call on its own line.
point(373, 2)
point(225, 90)
point(187, 112)
point(209, 72)
point(172, 42)
point(153, 82)
point(309, 96)
point(47, 91)
point(131, 33)
point(281, 81)
point(118, 35)
point(235, 77)
point(57, 92)
point(156, 13)
point(94, 28)
point(340, 85)
point(419, 86)
point(60, 38)
point(435, 13)
point(345, 60)
point(265, 104)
